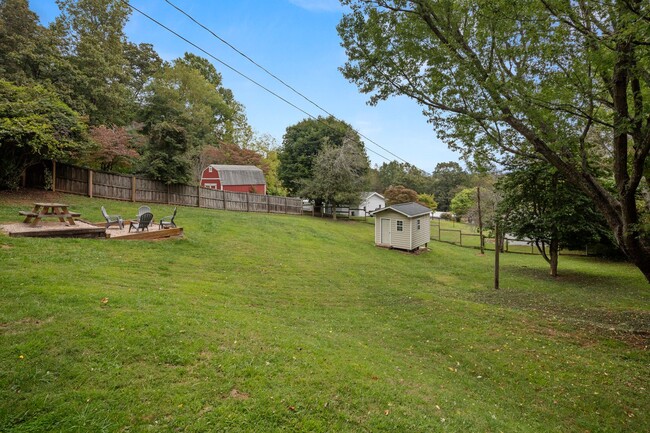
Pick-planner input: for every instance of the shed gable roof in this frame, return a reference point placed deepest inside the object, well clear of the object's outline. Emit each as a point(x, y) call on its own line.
point(407, 209)
point(239, 174)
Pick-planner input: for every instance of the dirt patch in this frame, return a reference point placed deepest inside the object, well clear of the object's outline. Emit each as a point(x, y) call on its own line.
point(43, 225)
point(238, 395)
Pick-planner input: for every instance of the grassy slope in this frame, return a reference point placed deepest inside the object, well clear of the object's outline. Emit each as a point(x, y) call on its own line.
point(259, 322)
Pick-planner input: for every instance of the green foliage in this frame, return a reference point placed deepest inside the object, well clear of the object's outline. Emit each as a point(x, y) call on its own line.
point(463, 201)
point(19, 33)
point(303, 141)
point(232, 124)
point(338, 174)
point(166, 157)
point(180, 94)
point(448, 179)
point(540, 79)
point(428, 201)
point(402, 173)
point(35, 125)
point(94, 43)
point(538, 204)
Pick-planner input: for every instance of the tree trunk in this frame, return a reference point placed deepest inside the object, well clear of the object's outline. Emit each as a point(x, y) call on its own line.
point(555, 253)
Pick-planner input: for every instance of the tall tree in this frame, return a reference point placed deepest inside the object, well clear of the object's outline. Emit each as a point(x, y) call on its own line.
point(35, 125)
point(303, 141)
point(463, 202)
point(232, 124)
point(338, 174)
point(94, 41)
point(403, 173)
point(533, 78)
point(166, 158)
point(537, 203)
point(448, 178)
point(181, 96)
point(19, 34)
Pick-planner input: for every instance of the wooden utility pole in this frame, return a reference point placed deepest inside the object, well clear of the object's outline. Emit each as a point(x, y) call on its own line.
point(480, 220)
point(497, 250)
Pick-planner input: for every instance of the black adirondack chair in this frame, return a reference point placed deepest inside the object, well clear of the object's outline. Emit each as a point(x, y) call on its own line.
point(142, 223)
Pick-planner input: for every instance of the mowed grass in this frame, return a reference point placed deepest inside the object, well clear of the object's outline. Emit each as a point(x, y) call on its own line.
point(269, 323)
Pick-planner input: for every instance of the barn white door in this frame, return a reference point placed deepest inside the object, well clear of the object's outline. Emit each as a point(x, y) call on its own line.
point(385, 231)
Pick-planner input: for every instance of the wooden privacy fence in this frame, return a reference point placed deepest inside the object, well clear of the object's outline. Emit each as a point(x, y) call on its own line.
point(84, 181)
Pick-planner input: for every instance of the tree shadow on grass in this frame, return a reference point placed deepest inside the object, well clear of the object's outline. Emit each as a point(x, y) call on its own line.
point(566, 301)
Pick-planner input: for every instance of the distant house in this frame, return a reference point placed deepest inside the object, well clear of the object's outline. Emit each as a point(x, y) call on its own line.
point(370, 202)
point(404, 226)
point(237, 178)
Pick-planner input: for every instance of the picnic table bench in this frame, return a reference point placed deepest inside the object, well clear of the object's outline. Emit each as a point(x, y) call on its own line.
point(42, 210)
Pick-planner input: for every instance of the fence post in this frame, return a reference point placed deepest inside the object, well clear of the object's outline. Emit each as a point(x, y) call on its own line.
point(461, 239)
point(247, 200)
point(268, 205)
point(198, 196)
point(223, 194)
point(285, 206)
point(90, 183)
point(53, 176)
point(133, 189)
point(168, 198)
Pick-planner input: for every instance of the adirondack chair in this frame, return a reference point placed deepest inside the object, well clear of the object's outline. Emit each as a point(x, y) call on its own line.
point(142, 223)
point(168, 221)
point(142, 210)
point(112, 219)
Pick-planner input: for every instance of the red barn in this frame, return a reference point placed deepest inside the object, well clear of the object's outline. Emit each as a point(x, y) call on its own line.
point(237, 178)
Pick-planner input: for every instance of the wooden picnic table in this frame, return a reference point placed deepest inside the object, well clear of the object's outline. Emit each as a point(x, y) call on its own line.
point(42, 210)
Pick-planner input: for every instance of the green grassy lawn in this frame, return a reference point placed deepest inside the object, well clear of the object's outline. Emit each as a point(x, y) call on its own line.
point(274, 323)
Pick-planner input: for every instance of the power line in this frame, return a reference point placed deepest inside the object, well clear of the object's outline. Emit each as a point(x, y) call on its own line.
point(275, 77)
point(253, 81)
point(235, 70)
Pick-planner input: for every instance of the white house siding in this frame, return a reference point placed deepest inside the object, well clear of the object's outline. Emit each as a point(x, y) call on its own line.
point(398, 239)
point(372, 203)
point(422, 236)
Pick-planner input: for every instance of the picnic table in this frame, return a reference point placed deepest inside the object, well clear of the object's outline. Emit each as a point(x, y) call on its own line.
point(42, 210)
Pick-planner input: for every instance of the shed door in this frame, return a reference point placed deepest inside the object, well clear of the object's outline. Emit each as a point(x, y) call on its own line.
point(385, 231)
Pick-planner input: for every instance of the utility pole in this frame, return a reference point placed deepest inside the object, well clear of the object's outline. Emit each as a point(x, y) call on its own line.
point(497, 250)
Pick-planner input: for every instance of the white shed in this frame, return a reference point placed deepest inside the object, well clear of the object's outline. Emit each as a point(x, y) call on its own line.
point(404, 226)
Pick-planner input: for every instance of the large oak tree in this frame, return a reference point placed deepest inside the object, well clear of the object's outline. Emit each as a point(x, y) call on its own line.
point(545, 79)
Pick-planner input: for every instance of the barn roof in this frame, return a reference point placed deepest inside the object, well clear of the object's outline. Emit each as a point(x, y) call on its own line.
point(239, 174)
point(407, 209)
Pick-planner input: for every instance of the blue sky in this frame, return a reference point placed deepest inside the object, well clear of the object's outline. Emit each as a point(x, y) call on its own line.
point(297, 41)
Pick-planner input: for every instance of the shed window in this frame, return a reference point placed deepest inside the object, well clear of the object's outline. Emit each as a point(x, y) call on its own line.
point(209, 169)
point(400, 226)
point(418, 224)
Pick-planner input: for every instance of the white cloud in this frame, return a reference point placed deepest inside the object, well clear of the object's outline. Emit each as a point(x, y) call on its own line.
point(318, 5)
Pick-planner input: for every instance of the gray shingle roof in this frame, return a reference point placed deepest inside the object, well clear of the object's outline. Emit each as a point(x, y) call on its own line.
point(239, 174)
point(408, 209)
